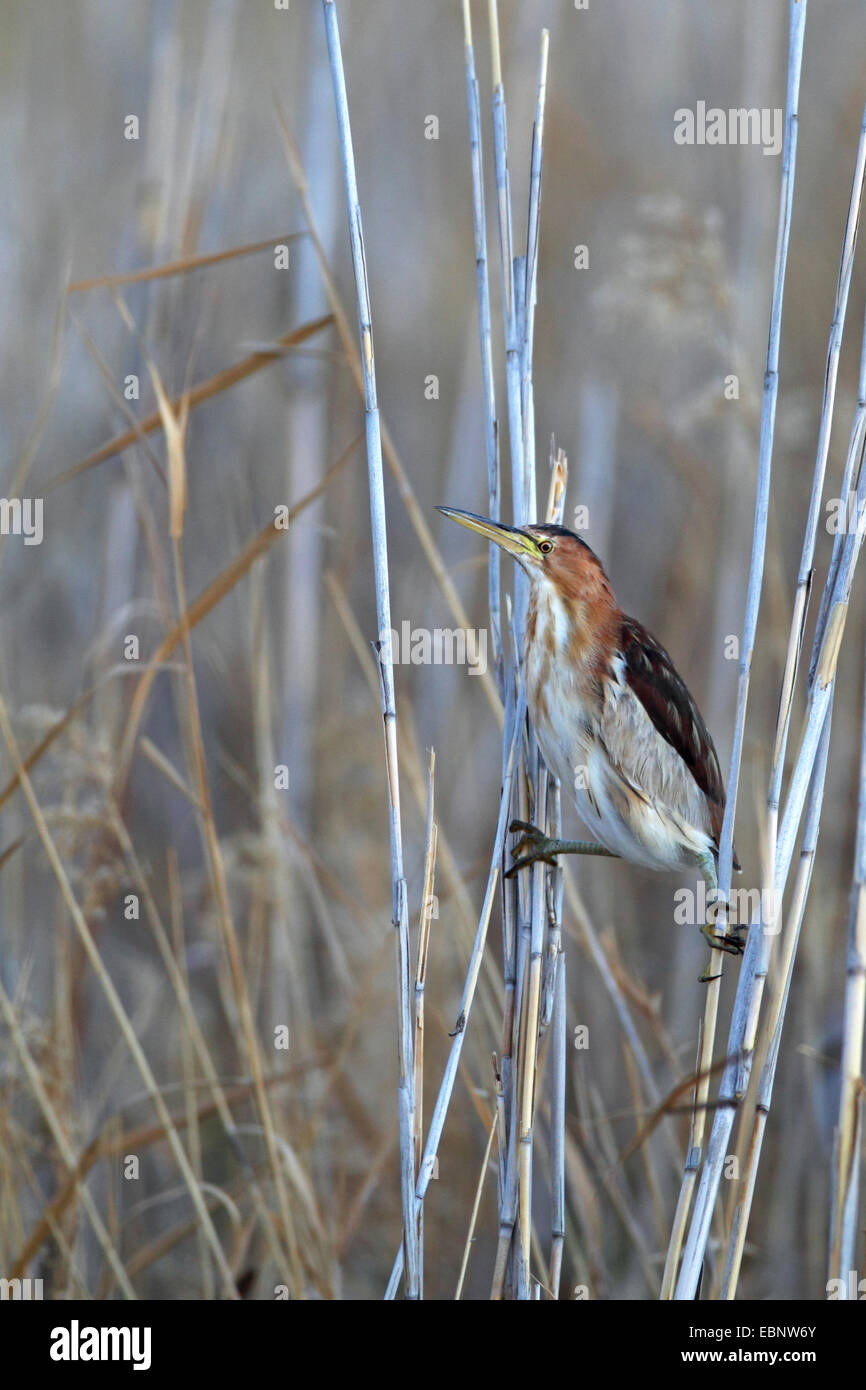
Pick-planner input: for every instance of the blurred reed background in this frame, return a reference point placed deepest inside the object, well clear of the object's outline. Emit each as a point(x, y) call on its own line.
point(272, 906)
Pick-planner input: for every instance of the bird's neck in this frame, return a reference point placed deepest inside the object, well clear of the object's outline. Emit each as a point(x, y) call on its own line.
point(570, 635)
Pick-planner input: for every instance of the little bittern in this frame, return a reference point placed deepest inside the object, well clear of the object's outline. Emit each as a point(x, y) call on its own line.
point(614, 719)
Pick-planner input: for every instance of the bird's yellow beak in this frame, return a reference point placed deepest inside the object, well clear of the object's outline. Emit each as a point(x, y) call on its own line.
point(517, 543)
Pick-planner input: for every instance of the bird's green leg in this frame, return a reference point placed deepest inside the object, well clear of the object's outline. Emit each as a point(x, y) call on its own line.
point(731, 943)
point(545, 848)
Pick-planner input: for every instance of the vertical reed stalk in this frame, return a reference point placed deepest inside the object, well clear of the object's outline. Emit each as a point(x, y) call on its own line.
point(845, 1183)
point(420, 986)
point(491, 429)
point(711, 1175)
point(400, 916)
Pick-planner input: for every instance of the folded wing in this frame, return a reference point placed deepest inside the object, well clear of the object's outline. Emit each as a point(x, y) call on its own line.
point(652, 677)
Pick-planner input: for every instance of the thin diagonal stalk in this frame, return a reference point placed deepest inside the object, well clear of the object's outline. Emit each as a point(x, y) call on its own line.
point(553, 1012)
point(768, 427)
point(807, 558)
point(400, 916)
point(557, 1109)
point(509, 1200)
point(776, 1016)
point(524, 1018)
point(518, 275)
point(847, 1140)
point(694, 1153)
point(510, 910)
point(473, 1220)
point(420, 986)
point(491, 432)
point(213, 851)
point(411, 767)
point(196, 395)
point(200, 606)
point(845, 1182)
point(64, 1148)
point(514, 715)
point(181, 267)
point(691, 1169)
point(755, 966)
point(529, 1076)
point(175, 427)
point(849, 486)
point(774, 1021)
point(176, 976)
point(531, 286)
point(700, 1224)
point(554, 1015)
point(114, 1002)
point(513, 345)
point(525, 283)
point(404, 485)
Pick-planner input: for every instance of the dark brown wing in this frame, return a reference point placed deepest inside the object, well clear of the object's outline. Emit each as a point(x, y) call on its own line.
point(653, 677)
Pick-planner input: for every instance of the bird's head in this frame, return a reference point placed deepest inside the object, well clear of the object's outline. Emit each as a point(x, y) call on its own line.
point(551, 556)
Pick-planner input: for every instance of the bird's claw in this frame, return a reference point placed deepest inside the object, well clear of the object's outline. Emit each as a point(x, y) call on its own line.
point(732, 944)
point(534, 839)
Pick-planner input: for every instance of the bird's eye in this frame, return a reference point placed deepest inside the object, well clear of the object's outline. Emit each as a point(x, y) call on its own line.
point(545, 547)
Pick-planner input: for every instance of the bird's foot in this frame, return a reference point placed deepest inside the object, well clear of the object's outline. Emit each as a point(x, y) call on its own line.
point(537, 845)
point(544, 848)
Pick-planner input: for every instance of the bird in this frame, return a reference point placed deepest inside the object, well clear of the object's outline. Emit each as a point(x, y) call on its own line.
point(613, 717)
